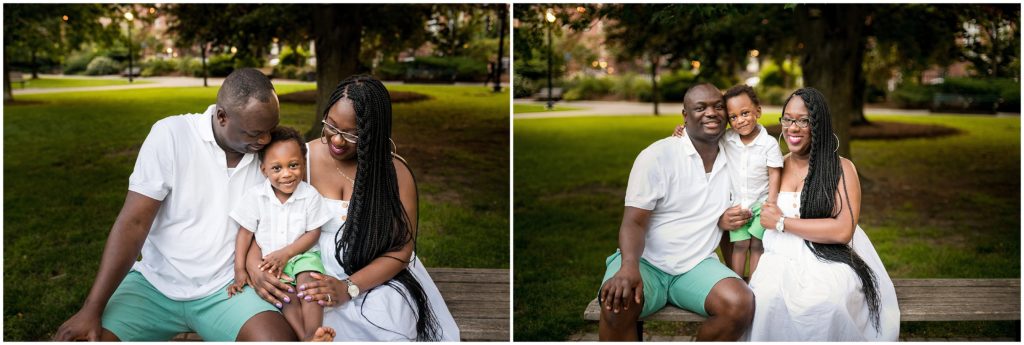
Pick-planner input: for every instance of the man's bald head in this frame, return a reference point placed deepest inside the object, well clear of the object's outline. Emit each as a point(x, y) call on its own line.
point(241, 86)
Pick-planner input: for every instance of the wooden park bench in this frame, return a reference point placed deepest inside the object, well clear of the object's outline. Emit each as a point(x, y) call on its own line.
point(919, 300)
point(478, 298)
point(18, 77)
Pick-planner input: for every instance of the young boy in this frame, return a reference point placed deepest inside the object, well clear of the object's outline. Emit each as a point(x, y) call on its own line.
point(755, 167)
point(284, 214)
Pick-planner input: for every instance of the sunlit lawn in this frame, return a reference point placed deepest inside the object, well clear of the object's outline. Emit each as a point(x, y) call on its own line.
point(934, 208)
point(67, 158)
point(538, 108)
point(54, 83)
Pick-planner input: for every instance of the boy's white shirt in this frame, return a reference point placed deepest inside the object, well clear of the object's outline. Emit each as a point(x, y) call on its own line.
point(189, 253)
point(668, 179)
point(748, 165)
point(277, 224)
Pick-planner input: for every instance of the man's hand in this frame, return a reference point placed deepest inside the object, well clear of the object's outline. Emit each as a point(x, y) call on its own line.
point(625, 284)
point(269, 287)
point(736, 216)
point(275, 261)
point(84, 325)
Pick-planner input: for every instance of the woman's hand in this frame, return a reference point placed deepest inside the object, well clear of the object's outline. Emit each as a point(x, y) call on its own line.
point(770, 214)
point(328, 291)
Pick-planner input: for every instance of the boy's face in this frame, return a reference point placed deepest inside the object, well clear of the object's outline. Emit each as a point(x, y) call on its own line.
point(743, 114)
point(283, 165)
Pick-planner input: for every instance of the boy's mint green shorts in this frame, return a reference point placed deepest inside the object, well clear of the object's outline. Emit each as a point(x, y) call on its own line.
point(305, 262)
point(139, 312)
point(752, 228)
point(688, 290)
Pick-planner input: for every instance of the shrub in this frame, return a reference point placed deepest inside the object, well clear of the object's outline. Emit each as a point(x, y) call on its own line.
point(772, 95)
point(155, 66)
point(632, 87)
point(673, 86)
point(771, 73)
point(190, 66)
point(293, 57)
point(78, 62)
point(446, 69)
point(912, 96)
point(391, 70)
point(522, 87)
point(587, 87)
point(102, 65)
point(220, 65)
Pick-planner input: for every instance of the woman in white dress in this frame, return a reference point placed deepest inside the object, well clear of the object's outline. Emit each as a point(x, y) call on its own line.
point(819, 278)
point(375, 289)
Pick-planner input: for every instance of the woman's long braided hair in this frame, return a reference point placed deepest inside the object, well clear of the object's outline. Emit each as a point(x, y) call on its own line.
point(377, 222)
point(818, 197)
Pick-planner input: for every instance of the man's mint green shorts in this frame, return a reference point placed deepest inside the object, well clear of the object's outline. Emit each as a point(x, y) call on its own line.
point(688, 290)
point(139, 312)
point(751, 228)
point(305, 262)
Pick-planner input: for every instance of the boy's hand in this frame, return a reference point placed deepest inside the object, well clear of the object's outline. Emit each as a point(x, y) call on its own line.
point(679, 131)
point(275, 261)
point(241, 280)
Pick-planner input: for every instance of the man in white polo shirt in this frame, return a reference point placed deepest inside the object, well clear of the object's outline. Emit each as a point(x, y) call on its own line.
point(191, 170)
point(677, 200)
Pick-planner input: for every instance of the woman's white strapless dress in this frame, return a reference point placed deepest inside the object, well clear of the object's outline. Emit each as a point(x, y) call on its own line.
point(383, 314)
point(801, 298)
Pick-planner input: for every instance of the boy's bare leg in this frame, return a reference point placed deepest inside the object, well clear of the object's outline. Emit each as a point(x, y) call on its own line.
point(738, 261)
point(756, 249)
point(312, 312)
point(293, 313)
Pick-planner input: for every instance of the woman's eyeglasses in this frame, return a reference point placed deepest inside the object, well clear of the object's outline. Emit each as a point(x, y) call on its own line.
point(329, 131)
point(802, 122)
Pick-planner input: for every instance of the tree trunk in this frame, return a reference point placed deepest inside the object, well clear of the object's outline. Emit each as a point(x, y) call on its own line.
point(337, 33)
point(35, 69)
point(202, 53)
point(501, 47)
point(832, 61)
point(8, 96)
point(654, 83)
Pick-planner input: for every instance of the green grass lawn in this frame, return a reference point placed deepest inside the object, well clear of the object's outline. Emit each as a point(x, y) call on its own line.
point(67, 158)
point(934, 208)
point(537, 108)
point(54, 83)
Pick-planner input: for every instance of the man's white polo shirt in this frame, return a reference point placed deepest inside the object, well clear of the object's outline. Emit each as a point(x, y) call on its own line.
point(190, 251)
point(668, 179)
point(748, 165)
point(277, 224)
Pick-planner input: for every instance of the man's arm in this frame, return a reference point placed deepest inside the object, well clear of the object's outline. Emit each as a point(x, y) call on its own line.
point(627, 283)
point(122, 249)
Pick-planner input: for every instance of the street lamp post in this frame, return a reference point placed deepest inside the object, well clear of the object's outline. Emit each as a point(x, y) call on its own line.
point(129, 17)
point(550, 16)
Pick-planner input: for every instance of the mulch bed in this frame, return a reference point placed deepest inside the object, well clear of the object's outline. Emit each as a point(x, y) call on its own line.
point(889, 131)
point(309, 96)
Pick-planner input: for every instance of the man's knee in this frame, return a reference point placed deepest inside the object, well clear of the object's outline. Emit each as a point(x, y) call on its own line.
point(266, 326)
point(625, 318)
point(732, 299)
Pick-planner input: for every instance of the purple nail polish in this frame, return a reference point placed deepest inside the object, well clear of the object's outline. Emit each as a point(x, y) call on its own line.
point(291, 290)
point(320, 302)
point(286, 299)
point(299, 294)
point(309, 298)
point(279, 306)
point(302, 287)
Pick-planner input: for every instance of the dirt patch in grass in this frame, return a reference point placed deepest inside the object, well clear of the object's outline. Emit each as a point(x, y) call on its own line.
point(309, 97)
point(889, 130)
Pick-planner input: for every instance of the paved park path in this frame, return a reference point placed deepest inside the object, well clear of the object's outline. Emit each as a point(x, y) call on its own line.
point(151, 82)
point(615, 108)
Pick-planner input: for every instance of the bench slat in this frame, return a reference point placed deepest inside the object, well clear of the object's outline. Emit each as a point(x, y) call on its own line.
point(919, 300)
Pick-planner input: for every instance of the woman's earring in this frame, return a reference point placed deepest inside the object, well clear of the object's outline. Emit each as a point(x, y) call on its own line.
point(394, 148)
point(837, 143)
